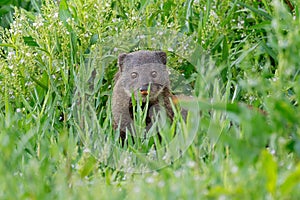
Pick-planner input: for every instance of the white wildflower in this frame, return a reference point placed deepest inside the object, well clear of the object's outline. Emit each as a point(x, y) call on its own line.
point(161, 184)
point(136, 189)
point(86, 150)
point(177, 174)
point(234, 169)
point(170, 49)
point(150, 180)
point(191, 164)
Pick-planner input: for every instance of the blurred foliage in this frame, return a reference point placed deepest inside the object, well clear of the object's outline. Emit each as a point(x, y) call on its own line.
point(57, 63)
point(7, 9)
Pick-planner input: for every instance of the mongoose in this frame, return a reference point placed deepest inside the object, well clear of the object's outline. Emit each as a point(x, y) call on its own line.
point(139, 71)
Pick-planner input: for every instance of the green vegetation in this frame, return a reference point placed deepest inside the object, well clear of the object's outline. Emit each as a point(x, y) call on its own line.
point(239, 58)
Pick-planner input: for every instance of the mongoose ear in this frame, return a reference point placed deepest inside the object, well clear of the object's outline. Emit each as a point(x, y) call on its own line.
point(163, 56)
point(121, 60)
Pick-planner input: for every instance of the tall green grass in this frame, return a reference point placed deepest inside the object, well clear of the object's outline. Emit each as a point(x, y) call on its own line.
point(240, 60)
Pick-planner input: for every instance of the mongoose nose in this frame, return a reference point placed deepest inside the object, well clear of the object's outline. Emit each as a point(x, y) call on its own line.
point(144, 90)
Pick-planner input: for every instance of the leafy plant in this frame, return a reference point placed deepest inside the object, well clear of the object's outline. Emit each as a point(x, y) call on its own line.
point(239, 59)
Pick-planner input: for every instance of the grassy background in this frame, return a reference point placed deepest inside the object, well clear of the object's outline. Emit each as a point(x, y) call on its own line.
point(56, 69)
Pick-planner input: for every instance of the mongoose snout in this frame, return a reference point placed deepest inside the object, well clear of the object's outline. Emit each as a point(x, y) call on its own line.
point(144, 89)
point(152, 89)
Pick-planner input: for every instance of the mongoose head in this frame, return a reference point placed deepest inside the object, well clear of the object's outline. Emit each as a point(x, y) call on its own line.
point(144, 73)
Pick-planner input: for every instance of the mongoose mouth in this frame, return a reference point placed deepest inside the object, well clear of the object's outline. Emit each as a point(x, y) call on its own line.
point(144, 89)
point(144, 92)
point(150, 88)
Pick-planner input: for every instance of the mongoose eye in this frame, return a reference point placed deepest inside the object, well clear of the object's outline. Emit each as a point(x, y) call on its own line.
point(154, 74)
point(134, 75)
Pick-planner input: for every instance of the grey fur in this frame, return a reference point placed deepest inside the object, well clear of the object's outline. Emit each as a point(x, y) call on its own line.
point(136, 71)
